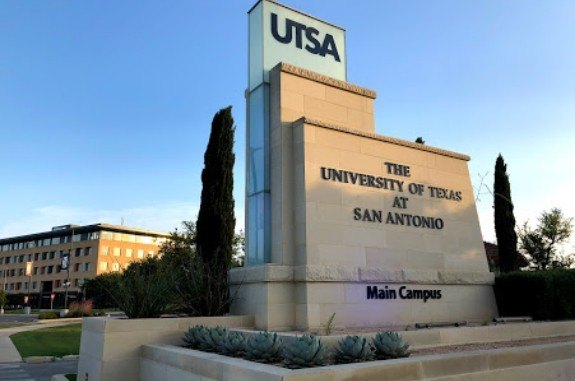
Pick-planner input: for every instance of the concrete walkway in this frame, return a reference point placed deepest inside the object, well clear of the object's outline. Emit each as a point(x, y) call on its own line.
point(8, 352)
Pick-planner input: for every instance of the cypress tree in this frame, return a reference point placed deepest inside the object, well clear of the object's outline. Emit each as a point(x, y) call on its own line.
point(216, 219)
point(504, 218)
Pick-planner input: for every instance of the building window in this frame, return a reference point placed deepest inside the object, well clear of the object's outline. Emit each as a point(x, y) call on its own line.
point(151, 253)
point(116, 267)
point(140, 254)
point(52, 254)
point(78, 252)
point(44, 256)
point(50, 269)
point(104, 250)
point(76, 267)
point(88, 251)
point(103, 266)
point(57, 283)
point(36, 256)
point(87, 266)
point(129, 253)
point(117, 252)
point(20, 272)
point(33, 285)
point(35, 270)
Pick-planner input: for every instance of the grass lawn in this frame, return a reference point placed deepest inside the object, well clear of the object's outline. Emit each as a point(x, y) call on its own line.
point(56, 341)
point(10, 325)
point(20, 311)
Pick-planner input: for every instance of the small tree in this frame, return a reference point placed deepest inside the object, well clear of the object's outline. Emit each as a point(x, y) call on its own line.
point(100, 288)
point(3, 300)
point(420, 140)
point(541, 243)
point(216, 220)
point(504, 218)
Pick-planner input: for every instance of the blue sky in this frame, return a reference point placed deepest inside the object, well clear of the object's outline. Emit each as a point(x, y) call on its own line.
point(105, 106)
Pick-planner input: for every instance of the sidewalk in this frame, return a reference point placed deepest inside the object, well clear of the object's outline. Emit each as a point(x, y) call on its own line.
point(8, 352)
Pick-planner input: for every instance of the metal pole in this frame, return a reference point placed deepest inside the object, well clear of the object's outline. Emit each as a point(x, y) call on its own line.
point(67, 285)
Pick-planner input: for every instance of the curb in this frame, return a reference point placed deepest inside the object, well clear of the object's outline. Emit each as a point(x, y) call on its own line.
point(38, 359)
point(45, 359)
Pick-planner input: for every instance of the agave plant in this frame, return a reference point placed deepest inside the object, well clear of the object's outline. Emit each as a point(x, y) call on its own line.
point(217, 336)
point(233, 344)
point(353, 349)
point(195, 336)
point(390, 345)
point(304, 352)
point(264, 347)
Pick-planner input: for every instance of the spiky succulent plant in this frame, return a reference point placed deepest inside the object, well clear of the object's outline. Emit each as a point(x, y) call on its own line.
point(218, 336)
point(195, 336)
point(353, 349)
point(233, 344)
point(304, 352)
point(390, 345)
point(264, 347)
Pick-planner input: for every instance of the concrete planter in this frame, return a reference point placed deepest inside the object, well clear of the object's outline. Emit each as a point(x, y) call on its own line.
point(538, 363)
point(27, 310)
point(110, 348)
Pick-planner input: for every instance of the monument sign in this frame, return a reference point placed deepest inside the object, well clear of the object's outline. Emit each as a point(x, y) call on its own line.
point(378, 230)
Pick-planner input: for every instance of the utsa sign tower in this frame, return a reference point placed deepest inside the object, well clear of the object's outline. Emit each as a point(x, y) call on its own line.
point(378, 230)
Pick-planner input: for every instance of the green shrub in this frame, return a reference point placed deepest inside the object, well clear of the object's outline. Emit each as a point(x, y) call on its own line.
point(48, 315)
point(304, 352)
point(144, 289)
point(390, 345)
point(543, 295)
point(353, 349)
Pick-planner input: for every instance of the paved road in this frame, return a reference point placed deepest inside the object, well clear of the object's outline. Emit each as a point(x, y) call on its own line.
point(36, 372)
point(18, 318)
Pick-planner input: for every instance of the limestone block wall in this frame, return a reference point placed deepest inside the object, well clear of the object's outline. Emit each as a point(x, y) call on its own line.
point(352, 210)
point(110, 348)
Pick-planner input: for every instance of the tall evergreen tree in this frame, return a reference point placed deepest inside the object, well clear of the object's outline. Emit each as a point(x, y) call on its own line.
point(216, 219)
point(504, 218)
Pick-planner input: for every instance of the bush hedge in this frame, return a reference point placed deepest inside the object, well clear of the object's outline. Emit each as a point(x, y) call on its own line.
point(45, 315)
point(543, 295)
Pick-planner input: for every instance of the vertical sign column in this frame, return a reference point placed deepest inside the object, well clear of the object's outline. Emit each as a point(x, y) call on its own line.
point(257, 147)
point(278, 34)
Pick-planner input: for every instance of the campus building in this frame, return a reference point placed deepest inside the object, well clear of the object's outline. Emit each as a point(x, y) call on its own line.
point(34, 265)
